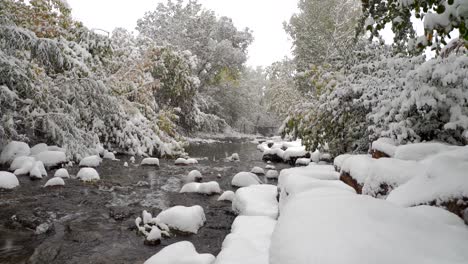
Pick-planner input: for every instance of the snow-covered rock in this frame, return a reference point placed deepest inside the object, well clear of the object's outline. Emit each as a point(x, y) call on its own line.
point(273, 154)
point(146, 217)
point(386, 146)
point(109, 155)
point(25, 163)
point(227, 196)
point(91, 161)
point(302, 162)
point(56, 181)
point(88, 174)
point(35, 172)
point(51, 158)
point(338, 161)
point(180, 253)
point(154, 235)
point(233, 157)
point(272, 174)
point(315, 156)
point(125, 164)
point(320, 172)
point(62, 173)
point(248, 242)
point(202, 188)
point(182, 161)
point(184, 219)
point(38, 148)
point(132, 159)
point(420, 151)
point(437, 214)
point(12, 150)
point(100, 150)
point(355, 169)
point(313, 227)
point(193, 176)
point(244, 179)
point(294, 153)
point(56, 148)
point(257, 170)
point(270, 167)
point(256, 200)
point(8, 180)
point(150, 162)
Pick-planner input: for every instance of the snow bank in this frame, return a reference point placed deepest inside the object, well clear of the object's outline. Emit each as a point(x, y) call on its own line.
point(193, 176)
point(361, 229)
point(257, 170)
point(8, 180)
point(385, 145)
point(88, 174)
point(244, 179)
point(256, 200)
point(227, 196)
point(357, 166)
point(184, 219)
point(62, 173)
point(248, 242)
point(180, 253)
point(56, 181)
point(150, 162)
point(12, 150)
point(420, 151)
point(51, 158)
point(91, 161)
point(38, 148)
point(338, 161)
point(272, 174)
point(202, 188)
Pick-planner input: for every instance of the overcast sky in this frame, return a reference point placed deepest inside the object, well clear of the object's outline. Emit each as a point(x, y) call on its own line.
point(264, 17)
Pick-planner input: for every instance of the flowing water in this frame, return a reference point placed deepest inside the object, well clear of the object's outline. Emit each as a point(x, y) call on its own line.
point(94, 223)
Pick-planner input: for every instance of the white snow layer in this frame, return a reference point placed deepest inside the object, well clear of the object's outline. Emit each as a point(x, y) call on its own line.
point(244, 179)
point(193, 176)
point(357, 166)
point(302, 162)
point(385, 145)
point(227, 196)
point(248, 242)
point(272, 174)
point(38, 148)
point(88, 174)
point(320, 172)
point(91, 161)
point(180, 253)
point(150, 162)
point(181, 218)
point(294, 152)
point(8, 180)
point(12, 150)
point(420, 151)
point(51, 158)
point(62, 173)
point(437, 214)
point(56, 181)
point(338, 161)
point(257, 170)
point(256, 200)
point(182, 161)
point(208, 188)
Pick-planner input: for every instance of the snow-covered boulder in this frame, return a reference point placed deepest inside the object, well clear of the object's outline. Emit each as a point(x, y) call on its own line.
point(272, 174)
point(12, 150)
point(183, 219)
point(315, 156)
point(91, 161)
point(256, 200)
point(132, 159)
point(383, 148)
point(8, 180)
point(56, 181)
point(182, 161)
point(420, 151)
point(244, 179)
point(313, 227)
point(38, 148)
point(88, 174)
point(150, 162)
point(24, 163)
point(257, 170)
point(248, 242)
point(302, 162)
point(51, 158)
point(339, 160)
point(227, 196)
point(355, 169)
point(180, 253)
point(208, 188)
point(314, 171)
point(270, 167)
point(273, 154)
point(62, 173)
point(437, 214)
point(293, 153)
point(154, 236)
point(36, 171)
point(233, 157)
point(56, 148)
point(193, 176)
point(125, 164)
point(109, 155)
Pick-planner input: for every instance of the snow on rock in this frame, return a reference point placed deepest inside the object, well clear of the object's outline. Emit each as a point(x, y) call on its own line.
point(273, 154)
point(51, 158)
point(272, 174)
point(320, 172)
point(100, 150)
point(180, 253)
point(437, 214)
point(88, 174)
point(233, 157)
point(38, 148)
point(294, 152)
point(132, 159)
point(193, 176)
point(150, 162)
point(302, 162)
point(184, 219)
point(227, 196)
point(91, 161)
point(109, 155)
point(357, 166)
point(154, 236)
point(56, 148)
point(182, 161)
point(56, 181)
point(147, 217)
point(312, 228)
point(12, 150)
point(256, 200)
point(8, 180)
point(202, 188)
point(420, 151)
point(24, 163)
point(338, 161)
point(248, 242)
point(257, 170)
point(62, 173)
point(387, 146)
point(244, 179)
point(270, 167)
point(315, 157)
point(35, 172)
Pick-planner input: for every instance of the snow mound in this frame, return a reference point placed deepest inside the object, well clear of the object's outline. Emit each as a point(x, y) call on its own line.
point(8, 180)
point(56, 181)
point(272, 174)
point(202, 188)
point(51, 158)
point(385, 145)
point(320, 172)
point(358, 166)
point(445, 179)
point(302, 162)
point(248, 242)
point(12, 150)
point(62, 173)
point(91, 161)
point(338, 161)
point(38, 148)
point(420, 151)
point(257, 170)
point(108, 155)
point(244, 179)
point(314, 227)
point(227, 196)
point(150, 162)
point(180, 253)
point(437, 214)
point(88, 174)
point(23, 163)
point(36, 170)
point(184, 219)
point(182, 161)
point(193, 176)
point(256, 200)
point(294, 152)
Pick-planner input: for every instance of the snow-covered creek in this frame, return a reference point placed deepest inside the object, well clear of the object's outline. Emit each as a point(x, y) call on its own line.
point(94, 223)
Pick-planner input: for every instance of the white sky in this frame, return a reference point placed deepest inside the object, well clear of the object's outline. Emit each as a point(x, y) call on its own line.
point(264, 17)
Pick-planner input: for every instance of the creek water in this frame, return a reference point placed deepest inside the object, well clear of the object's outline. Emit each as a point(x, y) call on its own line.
point(94, 223)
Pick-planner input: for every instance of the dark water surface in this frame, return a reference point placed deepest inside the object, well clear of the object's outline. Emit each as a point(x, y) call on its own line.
point(94, 223)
